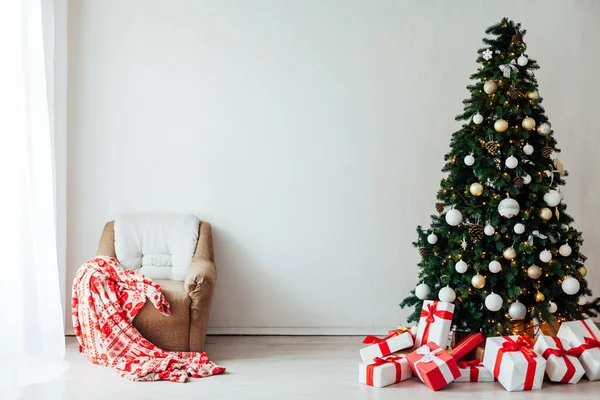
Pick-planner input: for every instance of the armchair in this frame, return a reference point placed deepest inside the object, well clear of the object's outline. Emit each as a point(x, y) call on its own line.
point(175, 251)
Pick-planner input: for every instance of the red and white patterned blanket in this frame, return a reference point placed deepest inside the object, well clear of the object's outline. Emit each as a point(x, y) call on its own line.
point(106, 298)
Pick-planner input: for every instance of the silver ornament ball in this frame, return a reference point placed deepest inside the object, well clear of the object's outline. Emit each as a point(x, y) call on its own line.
point(517, 311)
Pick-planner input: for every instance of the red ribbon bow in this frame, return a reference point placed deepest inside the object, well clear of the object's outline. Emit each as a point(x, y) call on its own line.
point(590, 343)
point(429, 314)
point(377, 361)
point(561, 352)
point(473, 368)
point(381, 342)
point(524, 345)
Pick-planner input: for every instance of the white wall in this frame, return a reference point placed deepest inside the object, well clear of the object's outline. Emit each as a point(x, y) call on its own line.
point(311, 134)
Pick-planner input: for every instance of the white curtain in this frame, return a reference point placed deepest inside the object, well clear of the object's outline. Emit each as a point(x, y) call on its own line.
point(32, 342)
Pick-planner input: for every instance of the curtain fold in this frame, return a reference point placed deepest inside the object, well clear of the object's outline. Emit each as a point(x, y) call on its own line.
point(31, 317)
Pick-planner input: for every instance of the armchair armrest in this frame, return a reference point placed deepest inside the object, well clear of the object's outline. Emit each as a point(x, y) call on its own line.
point(201, 277)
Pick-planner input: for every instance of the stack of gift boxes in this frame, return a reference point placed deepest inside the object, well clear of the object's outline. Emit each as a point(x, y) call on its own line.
point(514, 361)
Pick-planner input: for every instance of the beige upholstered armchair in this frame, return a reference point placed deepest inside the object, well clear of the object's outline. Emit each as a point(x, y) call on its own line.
point(175, 251)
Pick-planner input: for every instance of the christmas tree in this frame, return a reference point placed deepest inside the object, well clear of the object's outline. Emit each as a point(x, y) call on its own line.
point(503, 248)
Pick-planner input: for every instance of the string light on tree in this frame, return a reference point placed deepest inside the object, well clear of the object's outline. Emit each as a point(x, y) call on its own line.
point(539, 297)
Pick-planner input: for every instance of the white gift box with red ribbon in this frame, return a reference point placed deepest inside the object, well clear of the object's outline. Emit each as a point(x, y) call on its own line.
point(384, 371)
point(584, 336)
point(473, 371)
point(435, 323)
point(514, 363)
point(562, 364)
point(381, 347)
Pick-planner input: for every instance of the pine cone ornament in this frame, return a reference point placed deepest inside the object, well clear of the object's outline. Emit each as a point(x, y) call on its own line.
point(492, 147)
point(518, 182)
point(515, 93)
point(439, 207)
point(517, 40)
point(475, 233)
point(547, 151)
point(423, 251)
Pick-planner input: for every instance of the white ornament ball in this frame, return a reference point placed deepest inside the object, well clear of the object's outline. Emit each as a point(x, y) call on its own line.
point(582, 300)
point(570, 285)
point(489, 230)
point(517, 311)
point(509, 253)
point(461, 267)
point(511, 162)
point(432, 238)
point(519, 228)
point(527, 179)
point(493, 302)
point(552, 198)
point(414, 330)
point(490, 87)
point(552, 307)
point(544, 129)
point(422, 291)
point(522, 61)
point(508, 208)
point(545, 256)
point(478, 118)
point(469, 160)
point(494, 267)
point(454, 217)
point(534, 95)
point(565, 250)
point(528, 149)
point(447, 294)
point(565, 227)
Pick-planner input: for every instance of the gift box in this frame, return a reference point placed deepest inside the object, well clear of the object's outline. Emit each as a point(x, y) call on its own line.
point(384, 371)
point(434, 367)
point(435, 323)
point(467, 345)
point(514, 363)
point(562, 364)
point(381, 347)
point(402, 329)
point(473, 371)
point(583, 336)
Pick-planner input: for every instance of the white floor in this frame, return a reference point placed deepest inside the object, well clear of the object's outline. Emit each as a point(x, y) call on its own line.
point(275, 367)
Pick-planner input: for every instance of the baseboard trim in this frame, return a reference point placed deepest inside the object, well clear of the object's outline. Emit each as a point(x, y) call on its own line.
point(297, 331)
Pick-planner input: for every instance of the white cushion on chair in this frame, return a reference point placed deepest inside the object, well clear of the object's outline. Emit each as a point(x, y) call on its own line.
point(160, 246)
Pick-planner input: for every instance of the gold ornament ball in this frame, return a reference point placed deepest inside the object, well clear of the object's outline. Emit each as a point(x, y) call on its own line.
point(534, 272)
point(533, 95)
point(509, 253)
point(582, 270)
point(501, 125)
point(545, 213)
point(528, 123)
point(490, 87)
point(478, 281)
point(539, 297)
point(476, 189)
